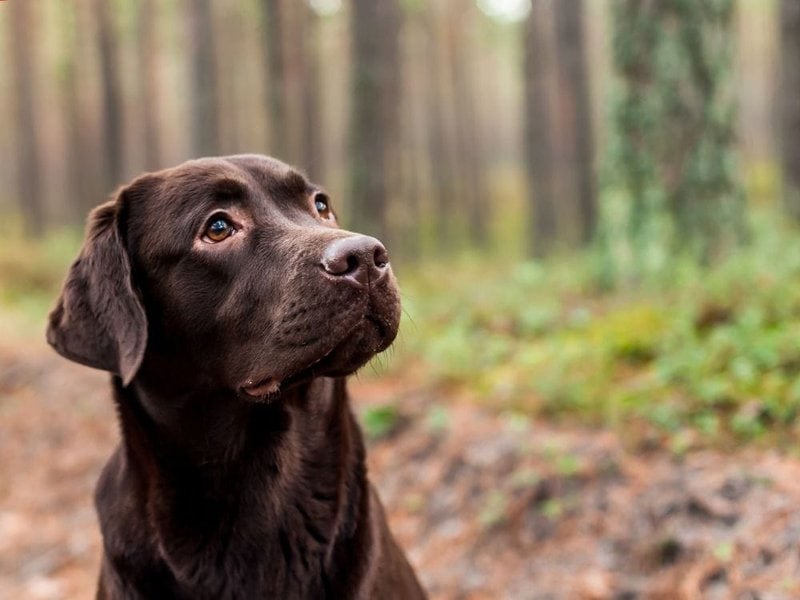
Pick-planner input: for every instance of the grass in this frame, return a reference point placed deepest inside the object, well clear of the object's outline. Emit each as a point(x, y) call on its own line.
point(31, 272)
point(696, 356)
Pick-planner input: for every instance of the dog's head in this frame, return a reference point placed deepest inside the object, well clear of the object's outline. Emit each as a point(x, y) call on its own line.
point(228, 273)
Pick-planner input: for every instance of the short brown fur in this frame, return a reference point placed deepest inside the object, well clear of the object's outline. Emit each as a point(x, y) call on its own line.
point(241, 470)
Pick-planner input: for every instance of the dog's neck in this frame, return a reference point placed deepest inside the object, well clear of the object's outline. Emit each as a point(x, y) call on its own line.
point(213, 435)
point(187, 463)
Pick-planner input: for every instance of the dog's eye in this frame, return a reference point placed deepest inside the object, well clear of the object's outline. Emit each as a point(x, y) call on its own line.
point(218, 230)
point(322, 205)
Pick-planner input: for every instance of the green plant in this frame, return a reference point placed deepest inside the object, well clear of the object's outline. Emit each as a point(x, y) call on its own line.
point(704, 354)
point(379, 421)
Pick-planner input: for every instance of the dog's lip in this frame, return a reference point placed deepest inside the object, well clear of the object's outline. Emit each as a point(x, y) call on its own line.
point(271, 385)
point(266, 387)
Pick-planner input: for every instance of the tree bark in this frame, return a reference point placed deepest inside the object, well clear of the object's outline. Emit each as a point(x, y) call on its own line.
point(575, 98)
point(112, 125)
point(375, 119)
point(148, 78)
point(442, 173)
point(29, 189)
point(81, 195)
point(468, 142)
point(538, 141)
point(312, 123)
point(675, 129)
point(203, 84)
point(789, 104)
point(272, 15)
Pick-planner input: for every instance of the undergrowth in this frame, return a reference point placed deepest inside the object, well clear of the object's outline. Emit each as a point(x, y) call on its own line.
point(696, 355)
point(31, 273)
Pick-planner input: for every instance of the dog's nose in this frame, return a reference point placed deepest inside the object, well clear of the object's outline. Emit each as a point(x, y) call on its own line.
point(360, 258)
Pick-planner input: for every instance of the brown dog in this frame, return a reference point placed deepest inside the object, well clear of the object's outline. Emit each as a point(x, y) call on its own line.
point(229, 306)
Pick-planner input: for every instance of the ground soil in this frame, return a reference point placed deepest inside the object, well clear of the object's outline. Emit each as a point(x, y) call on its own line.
point(487, 505)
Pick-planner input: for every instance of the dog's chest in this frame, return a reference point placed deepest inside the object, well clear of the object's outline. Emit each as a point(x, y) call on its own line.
point(188, 546)
point(249, 562)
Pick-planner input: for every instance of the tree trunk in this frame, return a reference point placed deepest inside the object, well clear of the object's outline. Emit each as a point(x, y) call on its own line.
point(441, 159)
point(538, 141)
point(468, 142)
point(413, 138)
point(675, 146)
point(575, 99)
point(375, 119)
point(311, 118)
point(789, 104)
point(111, 126)
point(148, 78)
point(272, 14)
point(80, 195)
point(635, 41)
point(29, 189)
point(707, 202)
point(204, 102)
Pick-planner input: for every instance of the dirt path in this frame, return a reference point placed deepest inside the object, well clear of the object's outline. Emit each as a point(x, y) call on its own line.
point(488, 506)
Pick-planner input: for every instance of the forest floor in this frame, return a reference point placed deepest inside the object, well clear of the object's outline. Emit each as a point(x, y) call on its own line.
point(488, 505)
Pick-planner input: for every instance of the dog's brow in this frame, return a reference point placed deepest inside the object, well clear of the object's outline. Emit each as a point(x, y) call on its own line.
point(290, 185)
point(228, 189)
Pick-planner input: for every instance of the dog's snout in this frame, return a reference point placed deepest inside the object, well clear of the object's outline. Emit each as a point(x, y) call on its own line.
point(359, 258)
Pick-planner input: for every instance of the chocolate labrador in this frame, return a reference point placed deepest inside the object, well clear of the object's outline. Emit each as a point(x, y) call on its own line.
point(229, 307)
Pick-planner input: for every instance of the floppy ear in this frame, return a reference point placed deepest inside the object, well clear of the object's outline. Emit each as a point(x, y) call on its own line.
point(99, 320)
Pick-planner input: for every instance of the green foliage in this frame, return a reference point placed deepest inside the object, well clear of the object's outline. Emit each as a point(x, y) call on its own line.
point(31, 272)
point(494, 509)
point(380, 421)
point(552, 508)
point(723, 551)
point(671, 180)
point(698, 354)
point(694, 353)
point(437, 419)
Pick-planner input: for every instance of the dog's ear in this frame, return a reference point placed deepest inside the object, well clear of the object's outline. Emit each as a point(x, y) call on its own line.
point(99, 320)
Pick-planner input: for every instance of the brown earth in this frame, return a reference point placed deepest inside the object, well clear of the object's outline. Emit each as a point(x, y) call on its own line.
point(487, 505)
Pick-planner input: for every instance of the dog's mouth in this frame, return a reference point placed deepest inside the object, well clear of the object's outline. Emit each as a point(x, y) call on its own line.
point(342, 355)
point(268, 387)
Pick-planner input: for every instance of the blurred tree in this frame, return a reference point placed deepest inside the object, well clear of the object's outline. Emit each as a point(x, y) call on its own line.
point(440, 151)
point(292, 83)
point(242, 95)
point(303, 88)
point(82, 192)
point(148, 80)
point(673, 153)
point(229, 25)
point(204, 104)
point(112, 125)
point(633, 156)
point(374, 124)
point(273, 32)
point(789, 104)
point(576, 106)
point(307, 67)
point(29, 188)
point(409, 218)
point(471, 177)
point(707, 203)
point(538, 142)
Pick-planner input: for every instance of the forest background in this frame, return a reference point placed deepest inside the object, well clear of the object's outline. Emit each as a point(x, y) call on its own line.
point(592, 206)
